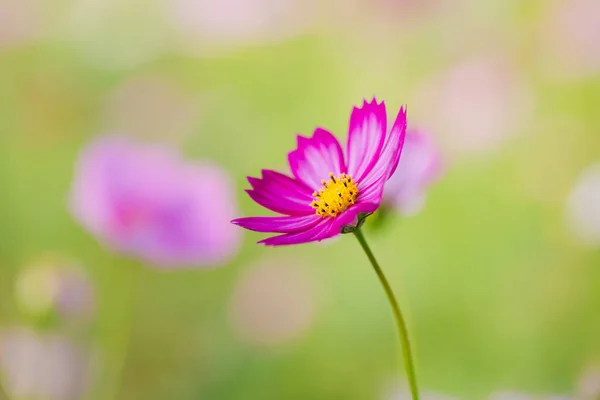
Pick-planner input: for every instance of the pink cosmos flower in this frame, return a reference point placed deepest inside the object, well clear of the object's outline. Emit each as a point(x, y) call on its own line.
point(329, 189)
point(146, 201)
point(418, 168)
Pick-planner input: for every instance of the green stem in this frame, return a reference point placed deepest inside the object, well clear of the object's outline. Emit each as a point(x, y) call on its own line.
point(404, 341)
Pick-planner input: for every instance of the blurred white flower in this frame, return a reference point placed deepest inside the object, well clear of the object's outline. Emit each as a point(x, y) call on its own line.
point(42, 367)
point(583, 206)
point(273, 302)
point(476, 104)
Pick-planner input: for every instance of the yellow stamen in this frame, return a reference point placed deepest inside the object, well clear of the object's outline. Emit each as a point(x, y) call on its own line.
point(337, 194)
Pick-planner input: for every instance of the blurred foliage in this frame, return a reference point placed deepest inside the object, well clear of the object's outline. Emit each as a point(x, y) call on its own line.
point(499, 294)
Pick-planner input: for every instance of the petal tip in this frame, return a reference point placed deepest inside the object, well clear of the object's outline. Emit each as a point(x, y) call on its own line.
point(253, 181)
point(300, 139)
point(266, 242)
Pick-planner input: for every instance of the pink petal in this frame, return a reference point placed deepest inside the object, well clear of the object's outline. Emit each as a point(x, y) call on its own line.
point(419, 166)
point(316, 157)
point(390, 154)
point(372, 193)
point(350, 216)
point(368, 127)
point(281, 194)
point(146, 201)
point(325, 228)
point(322, 230)
point(287, 224)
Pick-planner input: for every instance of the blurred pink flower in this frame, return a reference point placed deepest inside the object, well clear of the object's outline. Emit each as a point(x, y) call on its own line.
point(55, 283)
point(145, 201)
point(272, 305)
point(420, 165)
point(588, 386)
point(76, 294)
point(18, 22)
point(208, 25)
point(42, 366)
point(571, 38)
point(477, 104)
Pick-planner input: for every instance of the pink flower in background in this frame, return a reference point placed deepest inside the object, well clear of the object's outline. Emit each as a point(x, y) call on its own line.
point(19, 22)
point(477, 104)
point(588, 385)
point(260, 321)
point(419, 166)
point(145, 201)
point(217, 25)
point(570, 38)
point(55, 283)
point(329, 189)
point(42, 366)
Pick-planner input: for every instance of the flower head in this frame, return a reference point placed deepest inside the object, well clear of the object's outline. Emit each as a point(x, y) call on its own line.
point(419, 167)
point(329, 189)
point(145, 201)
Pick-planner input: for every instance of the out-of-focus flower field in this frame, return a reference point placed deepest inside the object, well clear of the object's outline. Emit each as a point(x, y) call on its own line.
point(170, 104)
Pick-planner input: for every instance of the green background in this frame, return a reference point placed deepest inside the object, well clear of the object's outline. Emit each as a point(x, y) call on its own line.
point(498, 292)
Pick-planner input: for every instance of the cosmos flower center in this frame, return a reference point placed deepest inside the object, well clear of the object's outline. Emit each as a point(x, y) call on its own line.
point(336, 195)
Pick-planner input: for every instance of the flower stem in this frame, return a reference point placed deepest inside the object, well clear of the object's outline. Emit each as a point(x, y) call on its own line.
point(404, 341)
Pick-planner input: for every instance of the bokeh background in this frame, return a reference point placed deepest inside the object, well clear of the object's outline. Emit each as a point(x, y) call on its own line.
point(498, 273)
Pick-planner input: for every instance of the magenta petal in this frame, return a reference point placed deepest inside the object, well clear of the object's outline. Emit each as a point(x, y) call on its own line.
point(287, 224)
point(349, 217)
point(322, 230)
point(315, 157)
point(366, 137)
point(282, 205)
point(390, 154)
point(372, 193)
point(281, 194)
